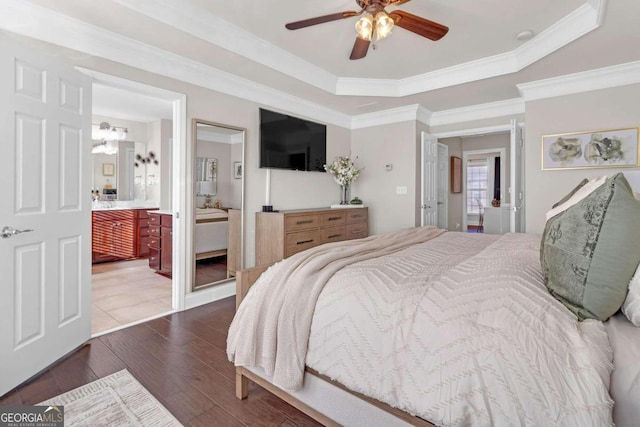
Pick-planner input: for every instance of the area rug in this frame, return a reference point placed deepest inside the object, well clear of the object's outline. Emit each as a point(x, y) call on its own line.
point(116, 400)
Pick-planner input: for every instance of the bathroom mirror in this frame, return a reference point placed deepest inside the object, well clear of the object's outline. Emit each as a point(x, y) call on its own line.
point(206, 176)
point(218, 249)
point(115, 175)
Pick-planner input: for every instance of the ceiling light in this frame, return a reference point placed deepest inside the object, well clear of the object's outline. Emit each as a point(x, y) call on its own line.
point(381, 25)
point(106, 132)
point(364, 27)
point(525, 35)
point(384, 25)
point(105, 147)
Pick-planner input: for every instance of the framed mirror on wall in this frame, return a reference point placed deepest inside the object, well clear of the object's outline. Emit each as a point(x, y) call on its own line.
point(218, 250)
point(116, 173)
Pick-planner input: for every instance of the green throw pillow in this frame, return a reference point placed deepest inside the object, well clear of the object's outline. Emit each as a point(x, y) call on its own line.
point(584, 182)
point(590, 251)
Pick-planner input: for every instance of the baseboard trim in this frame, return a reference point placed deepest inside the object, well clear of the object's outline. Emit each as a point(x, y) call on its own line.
point(207, 295)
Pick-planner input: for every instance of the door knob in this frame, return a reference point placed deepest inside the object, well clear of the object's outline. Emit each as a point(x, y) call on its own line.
point(10, 231)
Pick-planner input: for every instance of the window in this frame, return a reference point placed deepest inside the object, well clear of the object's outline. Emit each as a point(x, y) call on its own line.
point(476, 186)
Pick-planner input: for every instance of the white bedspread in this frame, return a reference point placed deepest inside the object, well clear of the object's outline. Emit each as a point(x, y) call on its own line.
point(460, 334)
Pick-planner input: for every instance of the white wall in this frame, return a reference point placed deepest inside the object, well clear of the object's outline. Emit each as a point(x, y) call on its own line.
point(160, 134)
point(598, 110)
point(375, 147)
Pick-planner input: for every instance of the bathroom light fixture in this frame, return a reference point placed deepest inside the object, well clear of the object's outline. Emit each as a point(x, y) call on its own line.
point(106, 132)
point(367, 25)
point(104, 147)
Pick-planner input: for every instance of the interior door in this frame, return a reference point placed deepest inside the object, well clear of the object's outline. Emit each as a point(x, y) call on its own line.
point(443, 186)
point(429, 199)
point(45, 218)
point(516, 218)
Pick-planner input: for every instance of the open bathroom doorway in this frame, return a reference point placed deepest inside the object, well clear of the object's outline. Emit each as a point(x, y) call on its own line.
point(132, 236)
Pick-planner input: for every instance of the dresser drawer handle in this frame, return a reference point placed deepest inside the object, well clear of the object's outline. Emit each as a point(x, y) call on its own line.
point(307, 221)
point(356, 216)
point(333, 236)
point(304, 241)
point(334, 218)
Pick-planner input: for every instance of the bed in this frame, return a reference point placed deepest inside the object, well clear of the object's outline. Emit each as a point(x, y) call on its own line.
point(426, 327)
point(211, 233)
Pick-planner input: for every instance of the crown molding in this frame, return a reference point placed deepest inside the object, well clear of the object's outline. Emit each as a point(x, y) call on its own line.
point(488, 130)
point(586, 81)
point(385, 117)
point(575, 25)
point(203, 24)
point(581, 21)
point(509, 107)
point(28, 19)
point(423, 115)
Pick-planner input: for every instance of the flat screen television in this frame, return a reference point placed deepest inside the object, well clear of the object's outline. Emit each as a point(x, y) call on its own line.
point(291, 143)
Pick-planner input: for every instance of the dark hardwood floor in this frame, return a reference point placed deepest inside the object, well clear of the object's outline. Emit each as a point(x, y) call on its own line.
point(211, 270)
point(181, 359)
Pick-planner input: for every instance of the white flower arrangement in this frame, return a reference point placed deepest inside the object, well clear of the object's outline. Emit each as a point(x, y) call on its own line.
point(344, 171)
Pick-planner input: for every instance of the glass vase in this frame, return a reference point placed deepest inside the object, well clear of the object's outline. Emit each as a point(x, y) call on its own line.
point(344, 194)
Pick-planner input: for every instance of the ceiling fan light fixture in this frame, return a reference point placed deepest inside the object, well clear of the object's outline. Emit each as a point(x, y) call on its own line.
point(384, 25)
point(364, 27)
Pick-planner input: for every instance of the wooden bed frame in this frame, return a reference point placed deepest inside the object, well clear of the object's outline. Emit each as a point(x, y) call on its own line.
point(244, 280)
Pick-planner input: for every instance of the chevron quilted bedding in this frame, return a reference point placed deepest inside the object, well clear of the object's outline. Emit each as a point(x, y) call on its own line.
point(458, 329)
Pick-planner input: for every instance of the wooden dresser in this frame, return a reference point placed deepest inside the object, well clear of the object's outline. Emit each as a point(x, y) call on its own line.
point(282, 234)
point(161, 242)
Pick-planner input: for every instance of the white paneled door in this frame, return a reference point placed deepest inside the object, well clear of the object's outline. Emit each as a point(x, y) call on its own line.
point(430, 172)
point(516, 218)
point(45, 219)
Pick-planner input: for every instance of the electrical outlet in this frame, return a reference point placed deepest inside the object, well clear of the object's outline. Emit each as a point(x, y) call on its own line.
point(401, 190)
point(388, 167)
point(457, 226)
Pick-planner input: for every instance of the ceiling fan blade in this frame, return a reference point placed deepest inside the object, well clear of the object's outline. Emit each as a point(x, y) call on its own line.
point(360, 48)
point(320, 20)
point(423, 27)
point(398, 2)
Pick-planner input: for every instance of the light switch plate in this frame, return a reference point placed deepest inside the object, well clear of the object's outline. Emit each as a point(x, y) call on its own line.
point(401, 190)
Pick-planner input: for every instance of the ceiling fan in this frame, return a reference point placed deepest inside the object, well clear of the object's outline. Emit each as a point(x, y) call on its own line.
point(376, 20)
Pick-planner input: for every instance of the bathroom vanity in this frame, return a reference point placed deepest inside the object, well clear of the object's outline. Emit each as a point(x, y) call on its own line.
point(119, 234)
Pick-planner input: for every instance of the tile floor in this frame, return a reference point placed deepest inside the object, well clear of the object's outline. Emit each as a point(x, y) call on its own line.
point(126, 291)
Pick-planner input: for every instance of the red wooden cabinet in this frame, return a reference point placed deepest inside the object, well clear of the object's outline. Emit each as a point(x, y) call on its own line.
point(119, 234)
point(161, 242)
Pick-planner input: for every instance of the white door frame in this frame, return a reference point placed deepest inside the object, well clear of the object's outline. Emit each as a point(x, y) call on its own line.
point(477, 132)
point(503, 171)
point(516, 189)
point(445, 182)
point(180, 152)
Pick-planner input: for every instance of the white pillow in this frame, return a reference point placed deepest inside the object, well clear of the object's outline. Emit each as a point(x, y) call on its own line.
point(631, 306)
point(579, 195)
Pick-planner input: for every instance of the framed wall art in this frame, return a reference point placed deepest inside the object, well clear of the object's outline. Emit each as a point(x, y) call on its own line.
point(615, 148)
point(456, 174)
point(108, 169)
